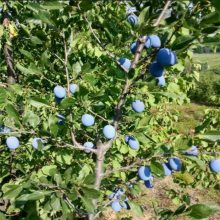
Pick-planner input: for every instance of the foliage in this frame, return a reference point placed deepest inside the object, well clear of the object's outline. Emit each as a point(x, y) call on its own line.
point(56, 181)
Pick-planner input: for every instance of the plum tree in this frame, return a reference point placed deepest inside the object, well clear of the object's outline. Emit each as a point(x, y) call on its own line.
point(138, 106)
point(12, 142)
point(88, 120)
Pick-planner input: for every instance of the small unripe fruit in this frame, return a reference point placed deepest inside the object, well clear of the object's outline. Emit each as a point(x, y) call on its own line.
point(116, 206)
point(88, 120)
point(36, 142)
point(152, 41)
point(156, 69)
point(138, 106)
point(161, 81)
point(166, 57)
point(125, 63)
point(73, 88)
point(144, 173)
point(215, 165)
point(167, 171)
point(134, 47)
point(88, 145)
point(133, 143)
point(109, 131)
point(175, 164)
point(59, 92)
point(193, 151)
point(12, 142)
point(132, 19)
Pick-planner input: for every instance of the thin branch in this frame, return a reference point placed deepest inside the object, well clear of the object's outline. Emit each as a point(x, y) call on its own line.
point(162, 13)
point(99, 116)
point(76, 145)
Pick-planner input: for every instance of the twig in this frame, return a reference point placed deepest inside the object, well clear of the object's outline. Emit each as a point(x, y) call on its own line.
point(162, 13)
point(77, 145)
point(99, 116)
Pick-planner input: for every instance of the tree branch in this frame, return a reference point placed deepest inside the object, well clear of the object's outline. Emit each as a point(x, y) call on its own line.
point(168, 2)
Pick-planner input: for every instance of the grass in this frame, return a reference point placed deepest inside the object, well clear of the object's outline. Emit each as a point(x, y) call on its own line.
point(211, 59)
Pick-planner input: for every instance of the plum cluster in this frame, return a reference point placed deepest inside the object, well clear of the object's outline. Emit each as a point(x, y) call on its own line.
point(119, 200)
point(60, 92)
point(164, 58)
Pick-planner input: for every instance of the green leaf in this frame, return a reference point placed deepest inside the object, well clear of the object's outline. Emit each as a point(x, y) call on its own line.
point(3, 96)
point(32, 119)
point(185, 177)
point(200, 211)
point(32, 196)
point(26, 54)
point(12, 112)
point(49, 170)
point(182, 42)
point(53, 5)
point(2, 216)
point(88, 204)
point(38, 102)
point(12, 191)
point(216, 4)
point(157, 168)
point(90, 193)
point(67, 103)
point(143, 17)
point(211, 136)
point(136, 208)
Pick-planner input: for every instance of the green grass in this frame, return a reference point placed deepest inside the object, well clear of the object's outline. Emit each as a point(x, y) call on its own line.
point(211, 59)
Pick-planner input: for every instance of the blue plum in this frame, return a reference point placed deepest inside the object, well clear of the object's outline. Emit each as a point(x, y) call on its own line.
point(61, 119)
point(138, 106)
point(215, 165)
point(166, 57)
point(133, 143)
point(132, 19)
point(116, 206)
point(175, 164)
point(144, 173)
point(161, 81)
point(152, 41)
point(12, 142)
point(88, 145)
point(36, 142)
point(109, 131)
point(193, 151)
point(156, 69)
point(73, 88)
point(149, 183)
point(134, 47)
point(59, 92)
point(88, 120)
point(125, 63)
point(131, 10)
point(167, 171)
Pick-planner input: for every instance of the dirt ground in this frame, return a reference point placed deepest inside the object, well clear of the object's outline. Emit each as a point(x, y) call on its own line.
point(160, 198)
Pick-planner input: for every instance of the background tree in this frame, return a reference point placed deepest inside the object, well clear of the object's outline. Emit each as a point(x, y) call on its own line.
point(79, 42)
